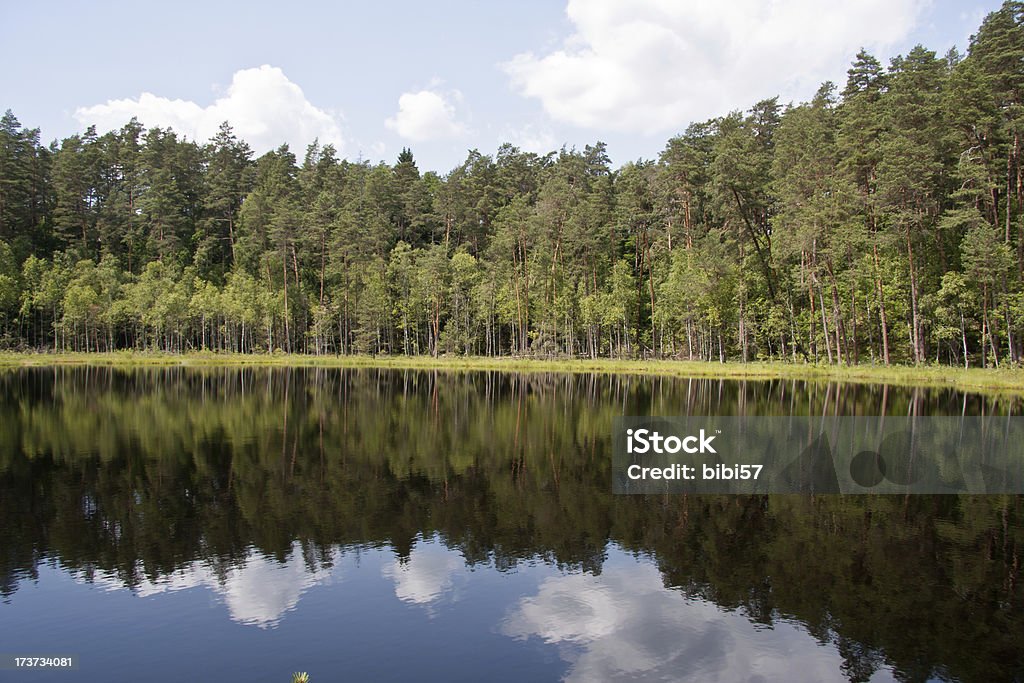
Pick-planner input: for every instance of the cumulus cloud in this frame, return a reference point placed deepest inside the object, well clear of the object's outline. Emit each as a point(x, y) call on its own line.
point(257, 592)
point(625, 625)
point(427, 575)
point(425, 115)
point(648, 66)
point(531, 138)
point(264, 107)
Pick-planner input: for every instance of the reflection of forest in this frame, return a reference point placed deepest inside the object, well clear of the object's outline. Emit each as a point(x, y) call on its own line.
point(140, 473)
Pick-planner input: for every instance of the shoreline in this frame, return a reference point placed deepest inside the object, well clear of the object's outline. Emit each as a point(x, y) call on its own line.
point(1001, 380)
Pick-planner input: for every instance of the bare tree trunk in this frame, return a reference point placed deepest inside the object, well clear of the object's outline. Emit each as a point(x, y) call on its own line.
point(824, 325)
point(853, 324)
point(915, 313)
point(963, 336)
point(881, 307)
point(837, 320)
point(284, 271)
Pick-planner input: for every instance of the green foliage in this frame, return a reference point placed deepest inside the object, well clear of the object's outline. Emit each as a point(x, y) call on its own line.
point(823, 232)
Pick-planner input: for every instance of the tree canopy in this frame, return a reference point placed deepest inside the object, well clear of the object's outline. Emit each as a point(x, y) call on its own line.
point(883, 220)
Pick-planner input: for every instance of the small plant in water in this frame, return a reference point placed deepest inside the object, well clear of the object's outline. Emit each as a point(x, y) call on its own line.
point(300, 677)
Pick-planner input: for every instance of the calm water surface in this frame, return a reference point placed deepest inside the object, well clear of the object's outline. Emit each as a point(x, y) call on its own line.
point(241, 524)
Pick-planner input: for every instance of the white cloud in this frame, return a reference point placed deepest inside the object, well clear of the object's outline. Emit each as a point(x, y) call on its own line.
point(427, 575)
point(531, 138)
point(425, 115)
point(625, 625)
point(262, 105)
point(650, 66)
point(257, 592)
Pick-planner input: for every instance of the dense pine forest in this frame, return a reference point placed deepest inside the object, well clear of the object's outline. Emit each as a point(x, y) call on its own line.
point(882, 222)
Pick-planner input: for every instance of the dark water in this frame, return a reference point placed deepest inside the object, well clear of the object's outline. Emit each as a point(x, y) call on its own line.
point(239, 525)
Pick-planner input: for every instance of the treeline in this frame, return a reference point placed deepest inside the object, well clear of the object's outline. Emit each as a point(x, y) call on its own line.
point(882, 222)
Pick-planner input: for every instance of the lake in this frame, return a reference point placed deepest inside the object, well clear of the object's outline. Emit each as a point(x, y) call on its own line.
point(240, 524)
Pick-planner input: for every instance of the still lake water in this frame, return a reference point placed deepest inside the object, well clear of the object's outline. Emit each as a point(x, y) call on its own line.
point(242, 524)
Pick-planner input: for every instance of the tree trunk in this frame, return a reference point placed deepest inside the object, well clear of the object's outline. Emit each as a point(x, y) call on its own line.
point(824, 325)
point(287, 335)
point(963, 336)
point(881, 307)
point(915, 313)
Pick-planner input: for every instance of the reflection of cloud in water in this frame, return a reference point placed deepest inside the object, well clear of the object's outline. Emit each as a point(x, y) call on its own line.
point(258, 592)
point(427, 575)
point(624, 624)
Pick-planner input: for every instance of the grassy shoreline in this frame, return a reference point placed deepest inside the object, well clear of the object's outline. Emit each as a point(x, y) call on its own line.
point(972, 379)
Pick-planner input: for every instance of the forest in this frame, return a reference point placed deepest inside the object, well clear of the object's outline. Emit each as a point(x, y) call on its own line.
point(881, 222)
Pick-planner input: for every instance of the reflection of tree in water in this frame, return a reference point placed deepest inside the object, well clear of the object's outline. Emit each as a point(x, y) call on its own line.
point(140, 473)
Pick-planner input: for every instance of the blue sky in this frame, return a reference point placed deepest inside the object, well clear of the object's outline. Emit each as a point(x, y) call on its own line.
point(443, 77)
